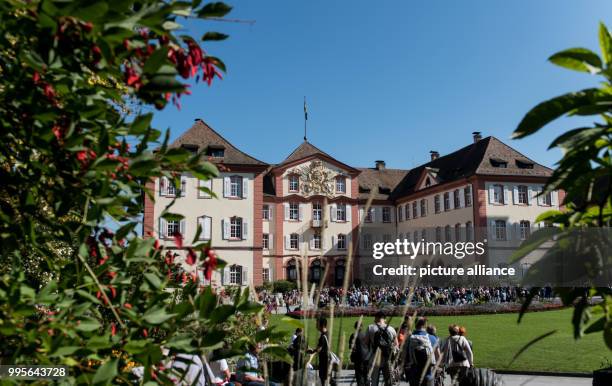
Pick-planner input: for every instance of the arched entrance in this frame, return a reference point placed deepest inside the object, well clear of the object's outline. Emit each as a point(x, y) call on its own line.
point(315, 271)
point(291, 270)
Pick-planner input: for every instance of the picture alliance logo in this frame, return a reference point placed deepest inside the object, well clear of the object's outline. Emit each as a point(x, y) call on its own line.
point(410, 249)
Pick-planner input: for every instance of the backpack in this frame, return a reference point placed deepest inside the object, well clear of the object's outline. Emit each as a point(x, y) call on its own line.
point(422, 352)
point(383, 340)
point(457, 351)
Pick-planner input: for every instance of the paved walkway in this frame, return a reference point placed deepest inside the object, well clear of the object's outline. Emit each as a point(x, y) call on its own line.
point(346, 378)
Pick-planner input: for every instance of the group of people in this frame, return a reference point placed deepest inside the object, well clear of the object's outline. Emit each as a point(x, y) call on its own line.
point(381, 296)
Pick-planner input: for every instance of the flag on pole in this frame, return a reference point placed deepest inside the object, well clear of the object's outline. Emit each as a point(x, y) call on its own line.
point(305, 110)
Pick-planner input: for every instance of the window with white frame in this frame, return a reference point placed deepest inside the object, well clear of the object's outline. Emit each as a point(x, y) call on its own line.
point(386, 214)
point(265, 214)
point(294, 211)
point(235, 273)
point(547, 199)
point(341, 241)
point(522, 194)
point(498, 194)
point(467, 195)
point(469, 231)
point(236, 228)
point(414, 210)
point(235, 186)
point(367, 241)
point(446, 201)
point(173, 228)
point(317, 211)
point(423, 207)
point(294, 183)
point(265, 274)
point(294, 241)
point(437, 203)
point(525, 229)
point(500, 230)
point(265, 241)
point(341, 212)
point(447, 233)
point(316, 241)
point(456, 199)
point(340, 184)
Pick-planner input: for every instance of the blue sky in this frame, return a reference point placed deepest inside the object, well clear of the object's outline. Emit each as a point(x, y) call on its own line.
point(388, 80)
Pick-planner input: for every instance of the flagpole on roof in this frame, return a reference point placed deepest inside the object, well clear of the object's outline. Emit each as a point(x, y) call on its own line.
point(305, 117)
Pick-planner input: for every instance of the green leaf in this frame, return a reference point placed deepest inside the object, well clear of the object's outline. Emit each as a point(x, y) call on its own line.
point(106, 372)
point(141, 123)
point(94, 11)
point(153, 279)
point(173, 217)
point(64, 351)
point(156, 60)
point(221, 313)
point(216, 9)
point(157, 316)
point(578, 59)
point(216, 36)
point(208, 301)
point(554, 108)
point(279, 353)
point(171, 25)
point(605, 43)
point(596, 326)
point(88, 325)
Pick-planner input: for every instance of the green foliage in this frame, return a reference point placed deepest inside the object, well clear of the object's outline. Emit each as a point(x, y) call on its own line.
point(74, 157)
point(282, 286)
point(584, 173)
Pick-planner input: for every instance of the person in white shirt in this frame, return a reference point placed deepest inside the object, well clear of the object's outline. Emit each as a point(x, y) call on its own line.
point(218, 372)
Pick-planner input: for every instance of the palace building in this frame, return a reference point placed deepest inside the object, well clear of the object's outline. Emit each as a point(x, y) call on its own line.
point(267, 218)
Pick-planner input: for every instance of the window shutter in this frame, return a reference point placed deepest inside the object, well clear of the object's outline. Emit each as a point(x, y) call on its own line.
point(515, 195)
point(323, 243)
point(245, 187)
point(301, 212)
point(391, 214)
point(182, 228)
point(286, 242)
point(540, 197)
point(509, 230)
point(225, 280)
point(286, 211)
point(491, 194)
point(348, 213)
point(183, 186)
point(529, 194)
point(225, 225)
point(206, 228)
point(418, 209)
point(163, 186)
point(270, 241)
point(492, 231)
point(311, 242)
point(201, 226)
point(333, 212)
point(451, 200)
point(163, 228)
point(505, 195)
point(245, 230)
point(245, 276)
point(226, 187)
point(361, 215)
point(334, 244)
point(553, 198)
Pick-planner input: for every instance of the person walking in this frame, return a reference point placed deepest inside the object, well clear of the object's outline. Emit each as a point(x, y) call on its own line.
point(458, 355)
point(420, 355)
point(359, 354)
point(322, 350)
point(382, 342)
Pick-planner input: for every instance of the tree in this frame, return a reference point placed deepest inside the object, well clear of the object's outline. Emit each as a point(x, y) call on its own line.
point(583, 242)
point(97, 301)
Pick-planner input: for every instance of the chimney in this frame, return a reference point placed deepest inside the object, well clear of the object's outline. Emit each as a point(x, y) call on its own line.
point(434, 155)
point(477, 136)
point(380, 165)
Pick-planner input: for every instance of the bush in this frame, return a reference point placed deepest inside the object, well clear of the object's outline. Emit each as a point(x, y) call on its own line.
point(283, 286)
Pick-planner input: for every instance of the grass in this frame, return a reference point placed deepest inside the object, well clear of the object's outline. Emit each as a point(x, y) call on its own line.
point(497, 338)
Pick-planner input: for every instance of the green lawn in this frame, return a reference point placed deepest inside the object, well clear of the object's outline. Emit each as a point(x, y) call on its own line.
point(497, 338)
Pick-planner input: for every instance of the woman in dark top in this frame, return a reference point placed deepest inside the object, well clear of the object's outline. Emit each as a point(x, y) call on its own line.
point(323, 351)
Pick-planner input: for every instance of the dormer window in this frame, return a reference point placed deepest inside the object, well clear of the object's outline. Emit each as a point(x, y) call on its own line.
point(215, 151)
point(428, 182)
point(524, 164)
point(499, 163)
point(294, 183)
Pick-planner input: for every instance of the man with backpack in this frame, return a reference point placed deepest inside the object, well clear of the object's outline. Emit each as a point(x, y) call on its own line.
point(420, 356)
point(382, 341)
point(458, 355)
